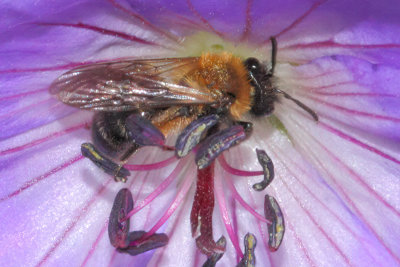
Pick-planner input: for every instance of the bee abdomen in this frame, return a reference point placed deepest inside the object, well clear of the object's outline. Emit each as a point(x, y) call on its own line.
point(109, 133)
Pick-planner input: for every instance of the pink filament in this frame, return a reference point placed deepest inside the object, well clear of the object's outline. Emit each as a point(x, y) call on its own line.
point(235, 171)
point(187, 182)
point(219, 192)
point(157, 191)
point(242, 202)
point(152, 166)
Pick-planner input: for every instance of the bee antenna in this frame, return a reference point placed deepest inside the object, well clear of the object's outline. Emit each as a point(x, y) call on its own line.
point(300, 104)
point(274, 52)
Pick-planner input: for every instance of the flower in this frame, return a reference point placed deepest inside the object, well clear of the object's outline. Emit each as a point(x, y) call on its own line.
point(337, 180)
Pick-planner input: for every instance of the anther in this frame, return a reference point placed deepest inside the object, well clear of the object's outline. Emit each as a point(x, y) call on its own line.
point(118, 228)
point(107, 165)
point(143, 132)
point(276, 229)
point(249, 258)
point(192, 134)
point(217, 143)
point(212, 260)
point(137, 247)
point(268, 169)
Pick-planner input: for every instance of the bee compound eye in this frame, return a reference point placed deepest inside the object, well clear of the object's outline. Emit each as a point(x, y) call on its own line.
point(252, 64)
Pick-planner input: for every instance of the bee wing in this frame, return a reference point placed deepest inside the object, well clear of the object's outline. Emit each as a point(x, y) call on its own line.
point(129, 85)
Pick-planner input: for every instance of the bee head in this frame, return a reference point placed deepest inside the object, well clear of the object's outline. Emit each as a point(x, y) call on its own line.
point(264, 94)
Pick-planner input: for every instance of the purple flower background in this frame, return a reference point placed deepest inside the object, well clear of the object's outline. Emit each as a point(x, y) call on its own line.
point(337, 181)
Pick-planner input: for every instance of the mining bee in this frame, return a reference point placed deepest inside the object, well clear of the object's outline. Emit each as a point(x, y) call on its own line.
point(203, 99)
point(171, 93)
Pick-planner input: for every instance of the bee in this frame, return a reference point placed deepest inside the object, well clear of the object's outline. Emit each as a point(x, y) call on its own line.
point(171, 93)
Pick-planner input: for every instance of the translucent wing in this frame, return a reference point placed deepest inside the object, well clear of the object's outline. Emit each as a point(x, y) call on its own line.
point(129, 85)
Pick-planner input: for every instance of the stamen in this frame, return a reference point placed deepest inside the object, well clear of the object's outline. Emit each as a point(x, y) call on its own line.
point(201, 214)
point(228, 168)
point(187, 182)
point(118, 229)
point(152, 166)
point(152, 242)
point(249, 258)
point(241, 201)
point(217, 143)
point(268, 168)
point(212, 261)
point(192, 134)
point(104, 163)
point(158, 190)
point(276, 230)
point(143, 132)
point(219, 192)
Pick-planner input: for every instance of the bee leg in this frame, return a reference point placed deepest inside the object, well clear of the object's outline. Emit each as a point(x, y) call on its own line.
point(218, 142)
point(142, 132)
point(107, 165)
point(192, 134)
point(268, 169)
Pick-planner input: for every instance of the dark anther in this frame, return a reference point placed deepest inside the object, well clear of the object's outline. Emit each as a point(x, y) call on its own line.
point(132, 243)
point(217, 143)
point(212, 261)
point(118, 229)
point(104, 163)
point(192, 134)
point(268, 168)
point(249, 258)
point(276, 229)
point(143, 132)
point(137, 247)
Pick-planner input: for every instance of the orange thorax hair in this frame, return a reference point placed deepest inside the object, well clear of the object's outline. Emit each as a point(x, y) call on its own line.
point(218, 74)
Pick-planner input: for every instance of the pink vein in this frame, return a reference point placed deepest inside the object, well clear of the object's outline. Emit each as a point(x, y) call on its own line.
point(316, 223)
point(299, 19)
point(235, 171)
point(353, 94)
point(23, 94)
point(219, 192)
point(355, 112)
point(94, 245)
point(51, 68)
point(247, 28)
point(42, 140)
point(301, 245)
point(322, 203)
point(35, 180)
point(348, 199)
point(197, 14)
point(152, 166)
point(331, 43)
point(73, 223)
point(25, 108)
point(359, 143)
point(144, 21)
point(101, 30)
